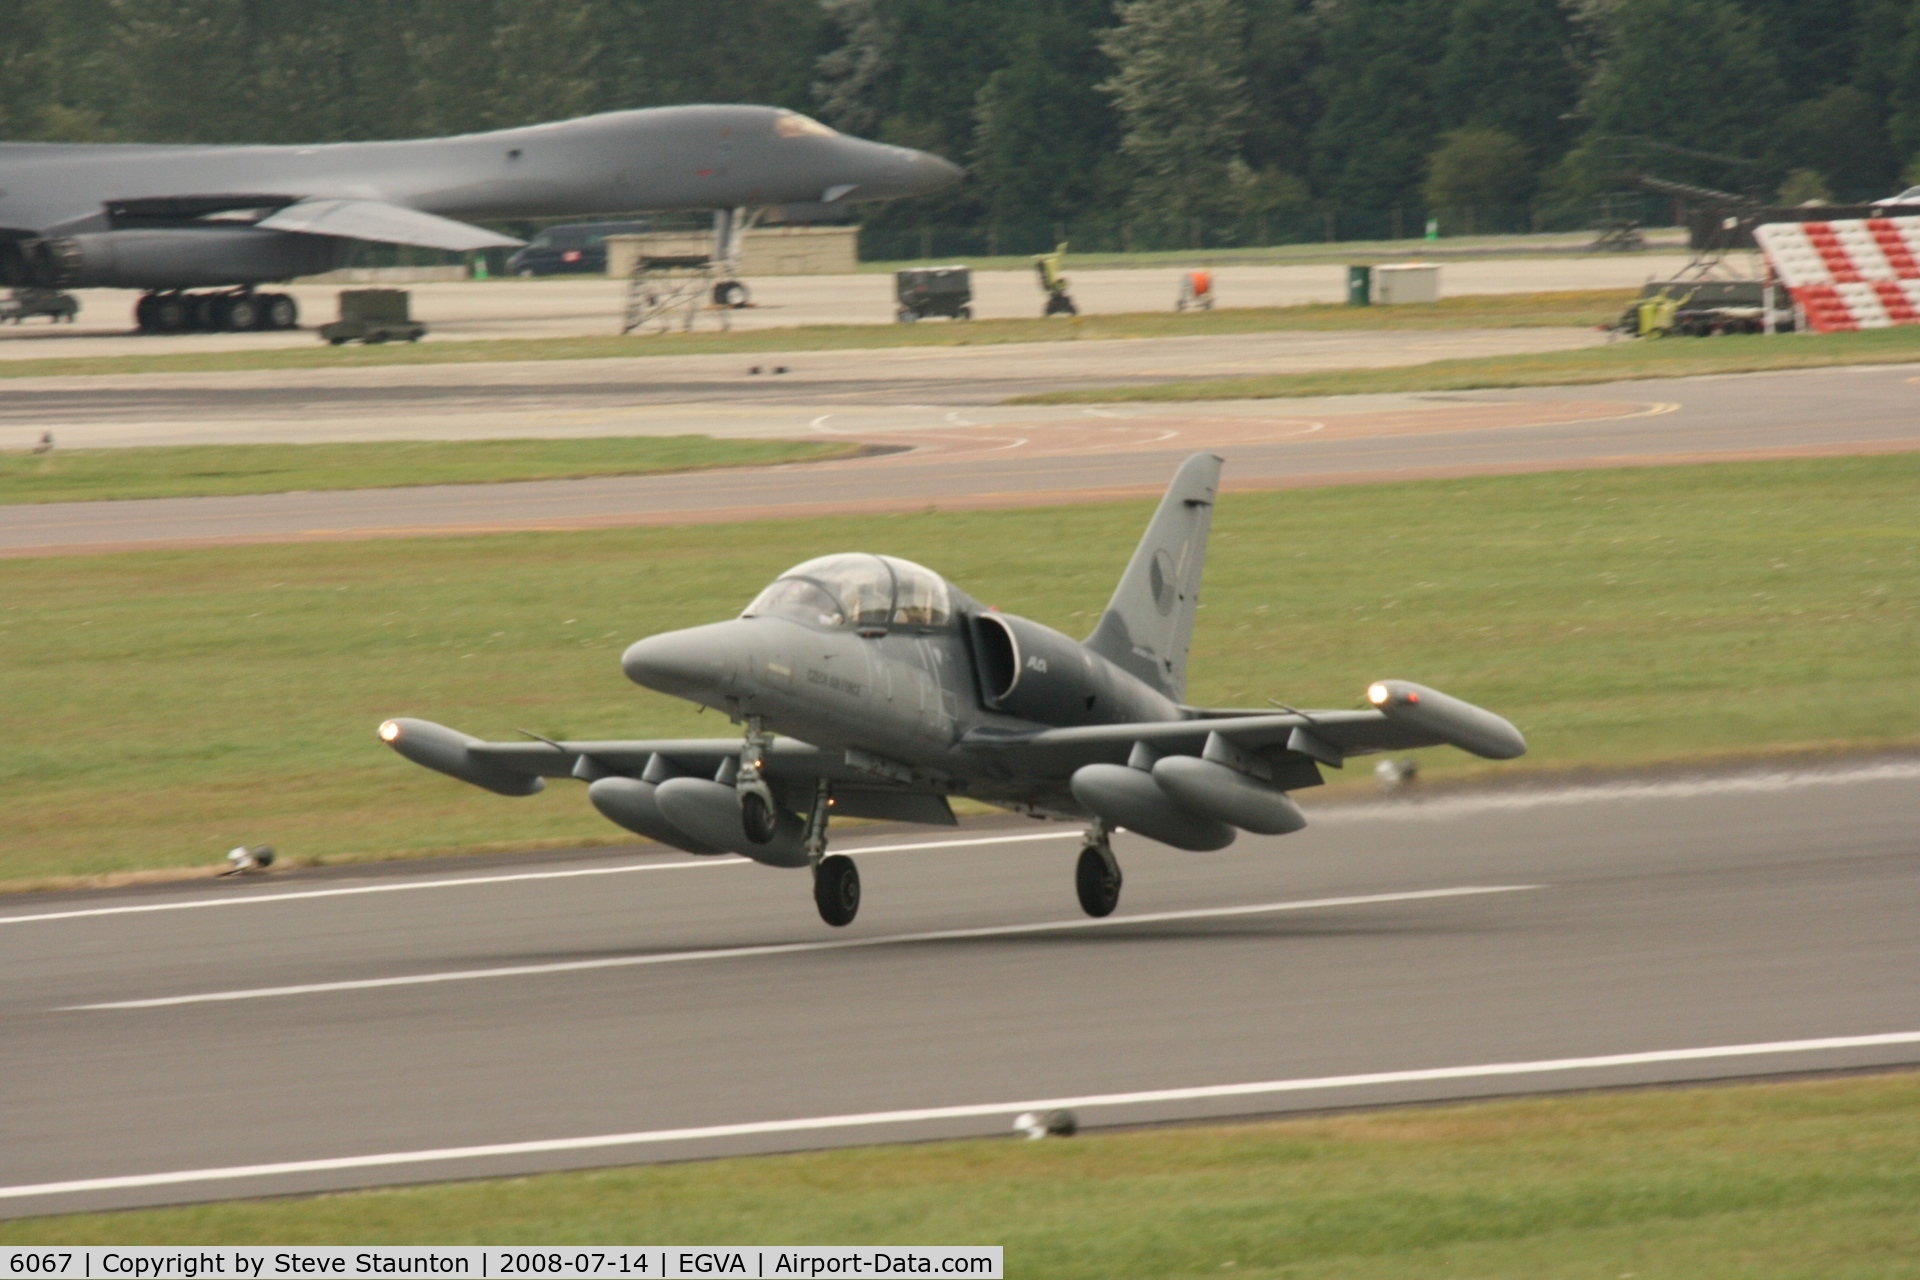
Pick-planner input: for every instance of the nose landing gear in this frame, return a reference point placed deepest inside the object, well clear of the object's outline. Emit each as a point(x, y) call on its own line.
point(1097, 877)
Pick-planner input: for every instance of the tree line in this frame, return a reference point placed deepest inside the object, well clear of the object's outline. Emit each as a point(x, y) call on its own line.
point(1163, 115)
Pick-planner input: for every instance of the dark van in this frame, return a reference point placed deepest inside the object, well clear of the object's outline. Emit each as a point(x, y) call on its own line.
point(569, 247)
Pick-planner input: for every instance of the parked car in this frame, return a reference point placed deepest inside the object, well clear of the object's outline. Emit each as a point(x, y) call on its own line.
point(569, 247)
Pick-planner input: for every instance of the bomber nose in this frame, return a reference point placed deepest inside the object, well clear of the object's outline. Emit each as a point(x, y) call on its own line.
point(892, 172)
point(932, 173)
point(686, 663)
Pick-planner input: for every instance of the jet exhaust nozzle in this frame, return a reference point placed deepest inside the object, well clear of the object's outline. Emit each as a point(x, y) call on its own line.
point(446, 750)
point(1130, 798)
point(1227, 795)
point(1449, 719)
point(710, 813)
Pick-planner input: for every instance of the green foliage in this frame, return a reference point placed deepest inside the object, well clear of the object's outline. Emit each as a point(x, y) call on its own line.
point(1477, 167)
point(1179, 87)
point(1699, 74)
point(1350, 97)
point(1805, 186)
point(1839, 136)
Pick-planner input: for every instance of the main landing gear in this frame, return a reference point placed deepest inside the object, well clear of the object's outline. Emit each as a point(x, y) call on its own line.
point(177, 312)
point(1097, 877)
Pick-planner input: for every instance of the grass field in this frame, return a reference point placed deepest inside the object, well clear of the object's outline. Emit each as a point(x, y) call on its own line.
point(74, 475)
point(164, 706)
point(1796, 1180)
point(1579, 308)
point(1616, 362)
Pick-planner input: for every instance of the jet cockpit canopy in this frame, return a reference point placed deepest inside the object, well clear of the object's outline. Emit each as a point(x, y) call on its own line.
point(857, 590)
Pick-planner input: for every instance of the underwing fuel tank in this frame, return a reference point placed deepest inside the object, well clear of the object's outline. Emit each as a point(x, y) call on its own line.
point(444, 749)
point(710, 813)
point(630, 803)
point(1228, 795)
point(1130, 798)
point(1457, 723)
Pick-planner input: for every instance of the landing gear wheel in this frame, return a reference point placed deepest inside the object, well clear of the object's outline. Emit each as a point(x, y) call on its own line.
point(143, 314)
point(282, 312)
point(1097, 879)
point(172, 313)
point(730, 293)
point(757, 816)
point(836, 890)
point(242, 313)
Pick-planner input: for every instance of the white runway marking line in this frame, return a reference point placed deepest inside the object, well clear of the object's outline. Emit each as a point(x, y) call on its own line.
point(791, 948)
point(724, 860)
point(870, 1119)
point(1763, 782)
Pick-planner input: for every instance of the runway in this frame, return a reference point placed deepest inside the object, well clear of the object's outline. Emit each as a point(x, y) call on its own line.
point(419, 1021)
point(982, 456)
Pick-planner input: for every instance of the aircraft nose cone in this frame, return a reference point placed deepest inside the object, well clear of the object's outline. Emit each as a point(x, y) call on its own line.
point(932, 173)
point(686, 663)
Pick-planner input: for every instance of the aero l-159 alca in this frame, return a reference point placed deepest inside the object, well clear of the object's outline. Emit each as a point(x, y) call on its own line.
point(892, 690)
point(168, 218)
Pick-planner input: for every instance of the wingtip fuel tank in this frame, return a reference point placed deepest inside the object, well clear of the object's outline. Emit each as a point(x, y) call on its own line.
point(1457, 723)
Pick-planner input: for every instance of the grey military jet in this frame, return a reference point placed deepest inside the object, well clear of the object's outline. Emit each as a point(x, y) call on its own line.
point(893, 690)
point(166, 219)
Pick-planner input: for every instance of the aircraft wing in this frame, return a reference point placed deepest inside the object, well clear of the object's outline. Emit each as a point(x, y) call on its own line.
point(386, 223)
point(1404, 716)
point(863, 787)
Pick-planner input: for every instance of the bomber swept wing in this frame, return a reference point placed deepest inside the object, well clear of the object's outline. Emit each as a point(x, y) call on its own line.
point(384, 223)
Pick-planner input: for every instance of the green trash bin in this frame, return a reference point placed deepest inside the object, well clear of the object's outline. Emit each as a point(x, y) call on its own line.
point(1359, 286)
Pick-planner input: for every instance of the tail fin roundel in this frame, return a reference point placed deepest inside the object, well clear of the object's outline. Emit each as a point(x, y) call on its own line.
point(1148, 625)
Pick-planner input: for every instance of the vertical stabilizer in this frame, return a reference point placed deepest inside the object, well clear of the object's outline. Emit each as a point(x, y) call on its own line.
point(1148, 624)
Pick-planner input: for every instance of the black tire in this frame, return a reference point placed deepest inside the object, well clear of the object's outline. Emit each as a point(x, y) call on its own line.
point(730, 293)
point(757, 816)
point(243, 312)
point(1097, 879)
point(143, 313)
point(964, 313)
point(836, 890)
point(281, 312)
point(172, 314)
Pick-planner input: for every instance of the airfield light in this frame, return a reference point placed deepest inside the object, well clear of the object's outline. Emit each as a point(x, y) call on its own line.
point(389, 730)
point(1377, 694)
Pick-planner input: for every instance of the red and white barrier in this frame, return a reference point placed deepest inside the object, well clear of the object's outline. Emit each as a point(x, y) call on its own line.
point(1860, 273)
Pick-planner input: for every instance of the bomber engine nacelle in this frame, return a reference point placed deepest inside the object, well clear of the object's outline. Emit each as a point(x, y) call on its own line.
point(446, 750)
point(182, 258)
point(1034, 672)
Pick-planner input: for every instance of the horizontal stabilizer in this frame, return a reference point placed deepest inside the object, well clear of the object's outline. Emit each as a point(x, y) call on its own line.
point(385, 223)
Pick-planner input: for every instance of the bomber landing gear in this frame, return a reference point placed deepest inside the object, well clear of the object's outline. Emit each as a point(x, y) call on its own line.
point(1097, 877)
point(178, 312)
